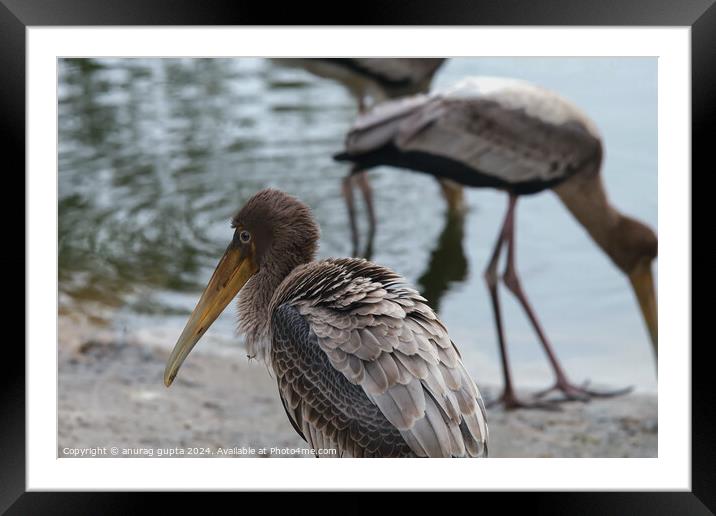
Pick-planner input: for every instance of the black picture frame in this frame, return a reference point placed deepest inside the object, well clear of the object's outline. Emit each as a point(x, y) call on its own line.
point(17, 15)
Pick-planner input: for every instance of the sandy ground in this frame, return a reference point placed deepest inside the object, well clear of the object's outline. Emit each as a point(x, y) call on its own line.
point(112, 396)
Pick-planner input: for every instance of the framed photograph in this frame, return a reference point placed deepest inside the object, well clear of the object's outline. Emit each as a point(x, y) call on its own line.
point(381, 313)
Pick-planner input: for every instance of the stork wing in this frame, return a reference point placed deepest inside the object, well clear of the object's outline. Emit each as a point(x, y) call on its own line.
point(516, 135)
point(327, 410)
point(365, 366)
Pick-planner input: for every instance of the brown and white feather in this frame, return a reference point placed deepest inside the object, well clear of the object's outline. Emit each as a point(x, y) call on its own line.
point(510, 130)
point(381, 337)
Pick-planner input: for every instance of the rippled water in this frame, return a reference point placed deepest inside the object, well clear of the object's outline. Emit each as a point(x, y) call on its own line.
point(156, 154)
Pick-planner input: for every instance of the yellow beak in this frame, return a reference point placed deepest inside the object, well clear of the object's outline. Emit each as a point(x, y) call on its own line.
point(233, 271)
point(642, 281)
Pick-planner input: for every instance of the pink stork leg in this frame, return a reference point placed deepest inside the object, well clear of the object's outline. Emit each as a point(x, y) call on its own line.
point(508, 397)
point(347, 190)
point(360, 178)
point(512, 282)
point(364, 185)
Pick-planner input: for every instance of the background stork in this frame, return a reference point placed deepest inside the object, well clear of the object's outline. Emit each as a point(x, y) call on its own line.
point(516, 137)
point(372, 80)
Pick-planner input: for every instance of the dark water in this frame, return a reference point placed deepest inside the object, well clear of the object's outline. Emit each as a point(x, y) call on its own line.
point(155, 156)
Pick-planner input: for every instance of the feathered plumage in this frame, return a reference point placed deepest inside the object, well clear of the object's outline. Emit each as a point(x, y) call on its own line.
point(357, 352)
point(483, 132)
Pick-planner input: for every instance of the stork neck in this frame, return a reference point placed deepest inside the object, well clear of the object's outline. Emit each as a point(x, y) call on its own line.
point(587, 200)
point(262, 287)
point(253, 304)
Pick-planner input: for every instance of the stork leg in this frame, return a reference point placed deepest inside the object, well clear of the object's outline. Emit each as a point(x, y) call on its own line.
point(358, 177)
point(562, 383)
point(508, 398)
point(361, 179)
point(453, 194)
point(347, 190)
point(363, 182)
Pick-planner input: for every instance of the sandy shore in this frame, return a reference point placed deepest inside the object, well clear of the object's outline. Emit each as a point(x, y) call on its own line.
point(112, 396)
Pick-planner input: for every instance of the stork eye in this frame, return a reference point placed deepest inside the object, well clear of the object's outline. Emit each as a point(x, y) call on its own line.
point(244, 236)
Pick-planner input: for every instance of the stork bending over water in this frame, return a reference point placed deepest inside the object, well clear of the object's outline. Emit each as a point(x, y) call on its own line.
point(371, 80)
point(363, 365)
point(522, 139)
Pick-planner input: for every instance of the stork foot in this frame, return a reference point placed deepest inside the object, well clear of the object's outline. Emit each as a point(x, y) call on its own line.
point(573, 392)
point(510, 401)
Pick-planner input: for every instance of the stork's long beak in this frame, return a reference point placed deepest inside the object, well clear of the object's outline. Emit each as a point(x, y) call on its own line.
point(642, 281)
point(233, 271)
